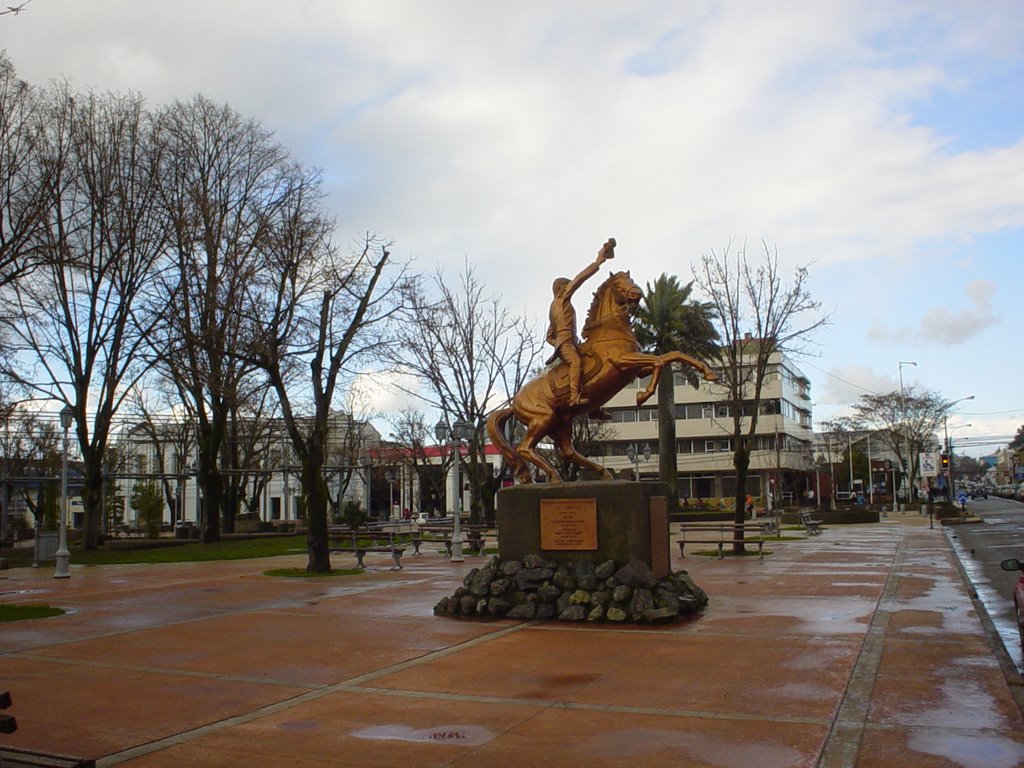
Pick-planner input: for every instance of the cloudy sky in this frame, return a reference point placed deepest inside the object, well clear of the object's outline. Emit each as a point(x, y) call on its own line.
point(880, 144)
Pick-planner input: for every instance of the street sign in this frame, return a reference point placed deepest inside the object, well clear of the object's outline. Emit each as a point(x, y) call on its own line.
point(929, 463)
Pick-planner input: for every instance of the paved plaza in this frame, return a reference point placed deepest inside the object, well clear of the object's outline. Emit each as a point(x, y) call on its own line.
point(858, 647)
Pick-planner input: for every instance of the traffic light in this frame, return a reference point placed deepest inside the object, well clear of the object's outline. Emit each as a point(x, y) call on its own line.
point(945, 461)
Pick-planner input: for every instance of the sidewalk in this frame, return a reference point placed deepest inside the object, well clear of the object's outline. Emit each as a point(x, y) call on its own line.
point(858, 647)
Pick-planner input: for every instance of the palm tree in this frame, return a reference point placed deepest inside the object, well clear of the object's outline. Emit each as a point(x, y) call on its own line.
point(669, 320)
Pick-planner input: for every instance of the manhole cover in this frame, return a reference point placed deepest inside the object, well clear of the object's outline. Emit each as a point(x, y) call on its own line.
point(466, 735)
point(448, 736)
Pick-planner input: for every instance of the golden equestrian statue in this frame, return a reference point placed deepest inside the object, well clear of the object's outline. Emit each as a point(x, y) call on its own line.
point(609, 358)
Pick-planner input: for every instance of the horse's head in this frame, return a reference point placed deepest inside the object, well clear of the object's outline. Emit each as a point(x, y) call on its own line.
point(625, 291)
point(616, 297)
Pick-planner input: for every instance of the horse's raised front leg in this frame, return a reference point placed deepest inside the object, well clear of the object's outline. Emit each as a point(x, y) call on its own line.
point(640, 364)
point(679, 357)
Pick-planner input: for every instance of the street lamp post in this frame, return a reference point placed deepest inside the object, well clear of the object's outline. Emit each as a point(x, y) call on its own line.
point(871, 478)
point(63, 555)
point(903, 407)
point(390, 476)
point(461, 430)
point(634, 456)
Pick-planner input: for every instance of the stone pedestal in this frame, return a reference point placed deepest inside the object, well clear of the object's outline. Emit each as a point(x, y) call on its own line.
point(47, 543)
point(597, 521)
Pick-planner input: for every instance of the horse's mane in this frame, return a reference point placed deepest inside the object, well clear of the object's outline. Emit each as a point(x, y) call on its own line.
point(595, 304)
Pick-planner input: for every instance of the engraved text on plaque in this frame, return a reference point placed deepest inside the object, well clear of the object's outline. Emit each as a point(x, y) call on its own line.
point(568, 524)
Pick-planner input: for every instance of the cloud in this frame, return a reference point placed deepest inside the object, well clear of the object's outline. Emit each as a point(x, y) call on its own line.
point(939, 325)
point(846, 384)
point(876, 138)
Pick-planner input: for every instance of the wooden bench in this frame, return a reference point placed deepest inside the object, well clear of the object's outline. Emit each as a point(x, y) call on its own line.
point(474, 537)
point(345, 539)
point(720, 534)
point(811, 527)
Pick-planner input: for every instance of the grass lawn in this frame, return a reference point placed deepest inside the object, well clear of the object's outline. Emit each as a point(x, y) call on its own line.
point(302, 573)
point(25, 612)
point(234, 549)
point(729, 553)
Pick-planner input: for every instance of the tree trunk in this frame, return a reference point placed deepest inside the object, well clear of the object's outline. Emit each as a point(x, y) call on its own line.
point(92, 499)
point(741, 462)
point(211, 482)
point(315, 488)
point(488, 491)
point(668, 467)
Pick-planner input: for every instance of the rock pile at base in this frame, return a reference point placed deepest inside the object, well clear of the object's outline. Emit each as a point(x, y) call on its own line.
point(535, 588)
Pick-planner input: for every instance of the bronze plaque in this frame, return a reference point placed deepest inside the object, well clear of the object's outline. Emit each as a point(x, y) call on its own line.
point(568, 524)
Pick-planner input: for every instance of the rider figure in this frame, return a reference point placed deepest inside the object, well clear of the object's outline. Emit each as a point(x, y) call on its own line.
point(562, 328)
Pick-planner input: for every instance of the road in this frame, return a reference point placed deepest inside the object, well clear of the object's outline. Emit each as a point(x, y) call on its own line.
point(981, 546)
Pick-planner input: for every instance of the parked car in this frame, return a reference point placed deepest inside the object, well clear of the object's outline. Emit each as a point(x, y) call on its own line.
point(979, 492)
point(1013, 564)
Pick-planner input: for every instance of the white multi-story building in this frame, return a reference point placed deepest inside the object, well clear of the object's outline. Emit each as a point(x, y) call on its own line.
point(782, 450)
point(165, 453)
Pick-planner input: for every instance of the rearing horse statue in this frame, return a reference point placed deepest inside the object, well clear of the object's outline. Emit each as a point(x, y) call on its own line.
point(611, 359)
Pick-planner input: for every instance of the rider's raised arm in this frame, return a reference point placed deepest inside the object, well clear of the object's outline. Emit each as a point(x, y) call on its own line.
point(589, 271)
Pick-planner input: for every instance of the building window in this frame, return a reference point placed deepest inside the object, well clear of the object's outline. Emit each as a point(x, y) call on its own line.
point(692, 486)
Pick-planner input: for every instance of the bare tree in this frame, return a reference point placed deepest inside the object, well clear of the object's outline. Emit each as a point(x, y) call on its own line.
point(314, 318)
point(351, 439)
point(757, 319)
point(838, 436)
point(223, 182)
point(905, 423)
point(15, 9)
point(77, 315)
point(172, 437)
point(417, 452)
point(470, 355)
point(252, 427)
point(31, 449)
point(22, 175)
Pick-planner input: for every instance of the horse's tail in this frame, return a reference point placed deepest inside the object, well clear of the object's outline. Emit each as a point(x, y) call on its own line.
point(496, 431)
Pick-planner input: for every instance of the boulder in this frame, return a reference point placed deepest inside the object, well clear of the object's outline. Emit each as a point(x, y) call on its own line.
point(636, 573)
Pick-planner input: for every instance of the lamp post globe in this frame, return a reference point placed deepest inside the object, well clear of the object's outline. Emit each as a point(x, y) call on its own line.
point(634, 457)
